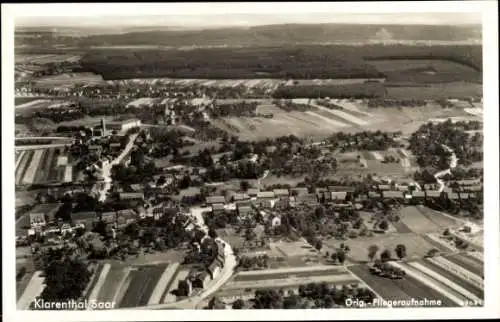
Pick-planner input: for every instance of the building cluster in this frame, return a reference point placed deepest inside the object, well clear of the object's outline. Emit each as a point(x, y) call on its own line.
point(201, 279)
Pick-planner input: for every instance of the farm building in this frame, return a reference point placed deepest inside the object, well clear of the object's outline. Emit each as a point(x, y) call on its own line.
point(280, 193)
point(453, 196)
point(253, 192)
point(265, 195)
point(124, 125)
point(418, 196)
point(43, 214)
point(472, 182)
point(215, 200)
point(384, 187)
point(308, 199)
point(374, 195)
point(475, 188)
point(392, 194)
point(234, 197)
point(131, 196)
point(85, 218)
point(339, 188)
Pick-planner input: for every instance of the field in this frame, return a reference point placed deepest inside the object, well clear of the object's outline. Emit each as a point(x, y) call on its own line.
point(69, 80)
point(402, 289)
point(436, 91)
point(467, 262)
point(45, 59)
point(421, 219)
point(41, 167)
point(354, 117)
point(287, 278)
point(142, 101)
point(140, 285)
point(423, 65)
point(416, 245)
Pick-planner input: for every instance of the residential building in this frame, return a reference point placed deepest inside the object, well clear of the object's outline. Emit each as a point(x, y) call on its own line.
point(433, 194)
point(125, 217)
point(453, 196)
point(275, 221)
point(235, 197)
point(299, 191)
point(374, 195)
point(338, 188)
point(471, 182)
point(109, 217)
point(95, 149)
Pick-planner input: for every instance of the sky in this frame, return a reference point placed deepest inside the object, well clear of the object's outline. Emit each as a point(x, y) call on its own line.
point(242, 15)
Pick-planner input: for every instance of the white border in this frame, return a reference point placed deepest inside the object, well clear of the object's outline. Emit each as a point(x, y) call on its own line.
point(489, 10)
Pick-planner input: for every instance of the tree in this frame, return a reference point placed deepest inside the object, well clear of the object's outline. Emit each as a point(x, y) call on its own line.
point(65, 279)
point(212, 233)
point(400, 251)
point(432, 252)
point(341, 256)
point(372, 251)
point(334, 257)
point(385, 255)
point(238, 304)
point(384, 225)
point(244, 185)
point(318, 245)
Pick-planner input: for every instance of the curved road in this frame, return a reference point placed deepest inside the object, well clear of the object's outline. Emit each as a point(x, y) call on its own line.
point(453, 164)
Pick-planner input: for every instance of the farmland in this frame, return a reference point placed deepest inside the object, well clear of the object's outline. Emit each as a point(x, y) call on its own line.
point(45, 59)
point(458, 90)
point(68, 80)
point(402, 289)
point(42, 166)
point(141, 285)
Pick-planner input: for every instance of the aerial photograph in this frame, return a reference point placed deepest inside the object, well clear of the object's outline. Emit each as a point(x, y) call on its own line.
point(249, 161)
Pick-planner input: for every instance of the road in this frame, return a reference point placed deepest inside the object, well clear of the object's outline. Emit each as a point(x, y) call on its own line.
point(453, 164)
point(41, 146)
point(106, 169)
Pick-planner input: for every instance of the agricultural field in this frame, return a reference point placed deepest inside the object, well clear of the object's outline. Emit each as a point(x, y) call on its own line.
point(220, 83)
point(42, 166)
point(143, 101)
point(431, 66)
point(421, 219)
point(436, 91)
point(467, 262)
point(287, 278)
point(69, 80)
point(339, 81)
point(416, 245)
point(45, 59)
point(399, 289)
point(20, 100)
point(141, 285)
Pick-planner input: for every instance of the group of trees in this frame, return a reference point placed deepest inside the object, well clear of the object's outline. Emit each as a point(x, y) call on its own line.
point(237, 109)
point(366, 140)
point(362, 91)
point(429, 143)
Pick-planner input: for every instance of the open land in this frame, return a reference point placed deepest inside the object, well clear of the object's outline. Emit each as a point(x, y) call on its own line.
point(41, 166)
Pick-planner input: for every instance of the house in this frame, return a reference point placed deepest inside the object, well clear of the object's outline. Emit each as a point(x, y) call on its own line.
point(430, 186)
point(244, 210)
point(201, 280)
point(215, 200)
point(84, 218)
point(453, 196)
point(115, 146)
point(265, 195)
point(253, 192)
point(131, 196)
point(43, 214)
point(392, 194)
point(218, 208)
point(213, 269)
point(418, 196)
point(433, 194)
point(337, 195)
point(281, 193)
point(374, 195)
point(340, 188)
point(185, 287)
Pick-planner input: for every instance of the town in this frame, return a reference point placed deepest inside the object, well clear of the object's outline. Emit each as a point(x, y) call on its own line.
point(230, 191)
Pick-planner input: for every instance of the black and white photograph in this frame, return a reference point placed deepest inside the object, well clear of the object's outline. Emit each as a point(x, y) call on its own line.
point(192, 157)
